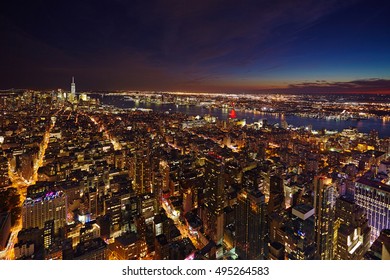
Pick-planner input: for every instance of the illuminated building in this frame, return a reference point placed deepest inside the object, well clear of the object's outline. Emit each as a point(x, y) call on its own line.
point(144, 221)
point(374, 197)
point(142, 171)
point(324, 203)
point(189, 188)
point(48, 233)
point(164, 171)
point(157, 188)
point(214, 196)
point(276, 251)
point(4, 179)
point(72, 233)
point(299, 233)
point(250, 224)
point(113, 210)
point(25, 162)
point(93, 203)
point(251, 178)
point(5, 229)
point(351, 230)
point(73, 87)
point(24, 250)
point(148, 208)
point(89, 231)
point(128, 247)
point(275, 224)
point(162, 224)
point(42, 207)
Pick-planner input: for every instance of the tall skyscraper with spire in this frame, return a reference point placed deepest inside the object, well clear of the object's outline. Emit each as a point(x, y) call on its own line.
point(73, 87)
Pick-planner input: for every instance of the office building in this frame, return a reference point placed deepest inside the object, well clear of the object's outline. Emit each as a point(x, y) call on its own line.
point(4, 179)
point(95, 249)
point(45, 206)
point(214, 196)
point(73, 87)
point(324, 203)
point(351, 230)
point(299, 233)
point(276, 197)
point(250, 224)
point(128, 247)
point(374, 197)
point(380, 249)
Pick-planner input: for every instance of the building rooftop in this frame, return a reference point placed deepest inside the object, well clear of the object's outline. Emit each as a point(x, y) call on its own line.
point(162, 239)
point(127, 239)
point(346, 230)
point(376, 154)
point(303, 211)
point(374, 184)
point(46, 196)
point(89, 246)
point(277, 245)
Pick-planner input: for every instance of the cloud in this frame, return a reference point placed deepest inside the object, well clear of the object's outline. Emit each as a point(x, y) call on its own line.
point(356, 86)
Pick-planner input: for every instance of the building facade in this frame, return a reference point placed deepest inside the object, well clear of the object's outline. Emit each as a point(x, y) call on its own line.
point(374, 197)
point(250, 225)
point(49, 205)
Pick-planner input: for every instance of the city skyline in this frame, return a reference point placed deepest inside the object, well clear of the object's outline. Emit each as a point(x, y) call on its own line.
point(86, 176)
point(195, 130)
point(253, 46)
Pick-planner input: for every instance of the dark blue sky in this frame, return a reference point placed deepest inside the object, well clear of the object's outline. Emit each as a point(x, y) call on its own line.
point(234, 46)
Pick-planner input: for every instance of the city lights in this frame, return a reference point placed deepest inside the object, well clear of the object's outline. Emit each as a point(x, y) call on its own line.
point(242, 130)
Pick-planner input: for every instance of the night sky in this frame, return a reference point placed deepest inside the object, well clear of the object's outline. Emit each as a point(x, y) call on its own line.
point(194, 45)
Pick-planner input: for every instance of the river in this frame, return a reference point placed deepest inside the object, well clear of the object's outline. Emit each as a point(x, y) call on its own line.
point(364, 126)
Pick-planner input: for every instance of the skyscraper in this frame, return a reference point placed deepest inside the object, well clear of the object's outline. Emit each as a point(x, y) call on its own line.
point(42, 207)
point(215, 195)
point(142, 172)
point(4, 179)
point(250, 224)
point(374, 197)
point(299, 233)
point(276, 197)
point(48, 233)
point(324, 202)
point(351, 230)
point(73, 87)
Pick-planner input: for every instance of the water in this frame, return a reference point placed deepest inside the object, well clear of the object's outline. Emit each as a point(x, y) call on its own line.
point(364, 126)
